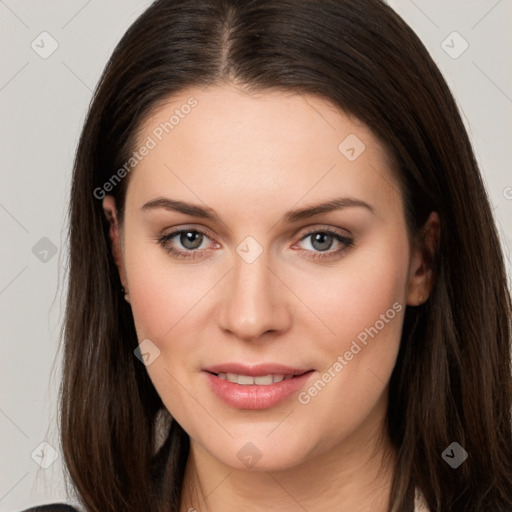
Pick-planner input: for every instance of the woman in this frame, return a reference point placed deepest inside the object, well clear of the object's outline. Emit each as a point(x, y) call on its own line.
point(286, 289)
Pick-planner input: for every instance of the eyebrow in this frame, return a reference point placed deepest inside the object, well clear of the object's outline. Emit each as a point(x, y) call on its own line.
point(291, 216)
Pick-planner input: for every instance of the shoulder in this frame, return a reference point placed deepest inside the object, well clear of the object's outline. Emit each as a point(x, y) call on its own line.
point(52, 507)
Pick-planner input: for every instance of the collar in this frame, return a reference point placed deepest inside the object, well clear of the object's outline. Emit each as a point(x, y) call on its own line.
point(420, 505)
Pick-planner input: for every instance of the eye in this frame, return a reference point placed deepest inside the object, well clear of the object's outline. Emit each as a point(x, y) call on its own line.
point(190, 239)
point(188, 243)
point(322, 240)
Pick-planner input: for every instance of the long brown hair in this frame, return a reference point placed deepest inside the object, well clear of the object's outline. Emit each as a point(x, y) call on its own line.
point(452, 381)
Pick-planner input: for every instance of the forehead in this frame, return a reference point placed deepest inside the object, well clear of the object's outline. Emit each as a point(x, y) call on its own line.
point(227, 143)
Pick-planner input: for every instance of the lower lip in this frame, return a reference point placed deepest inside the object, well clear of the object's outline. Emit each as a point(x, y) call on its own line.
point(255, 396)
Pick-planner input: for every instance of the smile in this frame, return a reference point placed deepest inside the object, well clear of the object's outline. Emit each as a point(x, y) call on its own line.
point(248, 380)
point(255, 387)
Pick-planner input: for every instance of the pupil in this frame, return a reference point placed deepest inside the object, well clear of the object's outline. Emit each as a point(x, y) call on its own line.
point(321, 237)
point(191, 238)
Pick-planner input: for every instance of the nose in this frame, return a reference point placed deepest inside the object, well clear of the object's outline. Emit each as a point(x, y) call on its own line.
point(255, 301)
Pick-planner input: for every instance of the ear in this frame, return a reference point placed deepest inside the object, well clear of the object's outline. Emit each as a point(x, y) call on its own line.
point(420, 268)
point(109, 207)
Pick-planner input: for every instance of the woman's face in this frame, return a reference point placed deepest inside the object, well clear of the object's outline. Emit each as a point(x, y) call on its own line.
point(262, 284)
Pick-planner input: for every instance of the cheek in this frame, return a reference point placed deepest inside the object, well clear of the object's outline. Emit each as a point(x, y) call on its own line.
point(162, 293)
point(151, 294)
point(165, 298)
point(364, 304)
point(353, 295)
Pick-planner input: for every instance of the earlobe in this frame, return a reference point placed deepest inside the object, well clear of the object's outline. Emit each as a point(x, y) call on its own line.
point(421, 271)
point(109, 207)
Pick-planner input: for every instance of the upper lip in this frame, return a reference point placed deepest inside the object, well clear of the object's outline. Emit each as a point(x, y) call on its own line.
point(256, 370)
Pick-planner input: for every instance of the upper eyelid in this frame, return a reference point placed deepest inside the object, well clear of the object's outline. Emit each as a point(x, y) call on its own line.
point(328, 229)
point(176, 231)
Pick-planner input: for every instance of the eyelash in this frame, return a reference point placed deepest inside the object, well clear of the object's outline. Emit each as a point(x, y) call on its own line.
point(346, 242)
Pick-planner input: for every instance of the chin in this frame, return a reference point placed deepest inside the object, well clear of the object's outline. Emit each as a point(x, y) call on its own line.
point(261, 451)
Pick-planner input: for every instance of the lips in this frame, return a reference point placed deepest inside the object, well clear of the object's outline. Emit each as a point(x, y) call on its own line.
point(255, 386)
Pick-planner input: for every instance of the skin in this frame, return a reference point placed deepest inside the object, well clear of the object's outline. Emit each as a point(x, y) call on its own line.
point(251, 158)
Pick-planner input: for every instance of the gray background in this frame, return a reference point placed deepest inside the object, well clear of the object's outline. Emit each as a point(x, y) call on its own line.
point(43, 102)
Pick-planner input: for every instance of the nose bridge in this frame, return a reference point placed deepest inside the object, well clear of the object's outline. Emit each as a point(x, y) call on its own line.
point(254, 303)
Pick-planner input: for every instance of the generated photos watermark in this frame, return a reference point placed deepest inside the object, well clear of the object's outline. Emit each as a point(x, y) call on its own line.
point(304, 397)
point(151, 143)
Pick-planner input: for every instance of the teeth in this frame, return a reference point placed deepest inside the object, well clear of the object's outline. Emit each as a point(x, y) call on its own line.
point(247, 380)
